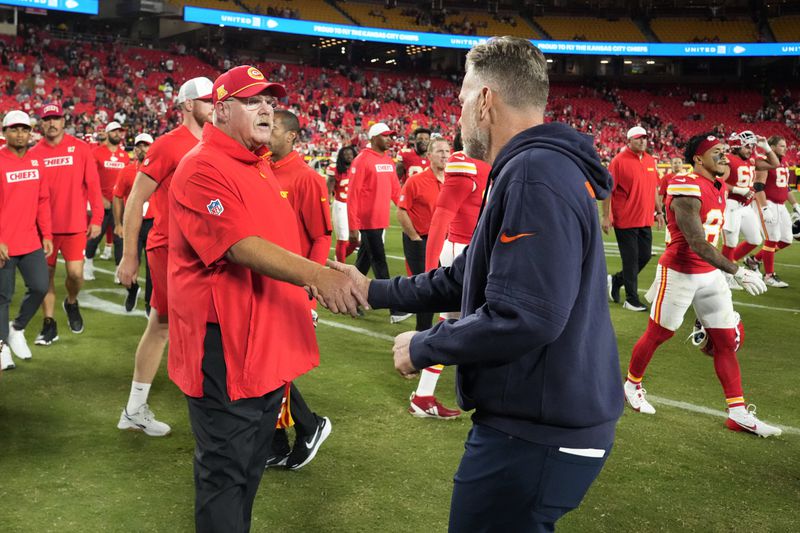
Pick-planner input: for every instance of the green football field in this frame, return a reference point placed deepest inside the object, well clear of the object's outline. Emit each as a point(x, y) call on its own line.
point(65, 467)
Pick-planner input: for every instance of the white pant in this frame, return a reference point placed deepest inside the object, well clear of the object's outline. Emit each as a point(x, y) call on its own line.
point(339, 217)
point(673, 292)
point(744, 219)
point(450, 251)
point(781, 230)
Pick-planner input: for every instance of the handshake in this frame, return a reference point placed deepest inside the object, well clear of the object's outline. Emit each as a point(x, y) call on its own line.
point(340, 288)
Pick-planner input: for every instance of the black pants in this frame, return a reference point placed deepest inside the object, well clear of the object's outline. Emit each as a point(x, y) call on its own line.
point(371, 253)
point(35, 274)
point(232, 442)
point(509, 485)
point(635, 249)
point(305, 423)
point(91, 244)
point(144, 231)
point(415, 257)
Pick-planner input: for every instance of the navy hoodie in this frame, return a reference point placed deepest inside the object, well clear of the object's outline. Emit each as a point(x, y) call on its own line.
point(536, 352)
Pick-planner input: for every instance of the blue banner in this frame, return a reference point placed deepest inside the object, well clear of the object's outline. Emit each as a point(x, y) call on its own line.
point(441, 40)
point(88, 7)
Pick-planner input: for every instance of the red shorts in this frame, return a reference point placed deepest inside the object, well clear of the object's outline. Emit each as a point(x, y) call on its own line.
point(71, 246)
point(157, 262)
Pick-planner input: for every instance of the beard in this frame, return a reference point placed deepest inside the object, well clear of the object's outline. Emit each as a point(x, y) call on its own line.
point(200, 117)
point(113, 141)
point(476, 145)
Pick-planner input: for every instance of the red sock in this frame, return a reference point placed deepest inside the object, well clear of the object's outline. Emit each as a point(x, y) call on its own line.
point(341, 251)
point(727, 251)
point(654, 336)
point(742, 250)
point(768, 255)
point(351, 247)
point(725, 363)
point(760, 255)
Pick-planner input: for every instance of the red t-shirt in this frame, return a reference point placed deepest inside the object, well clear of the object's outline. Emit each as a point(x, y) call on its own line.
point(373, 184)
point(458, 205)
point(742, 173)
point(633, 197)
point(109, 166)
point(413, 163)
point(70, 170)
point(308, 194)
point(418, 197)
point(678, 255)
point(24, 203)
point(776, 187)
point(161, 161)
point(220, 197)
point(124, 185)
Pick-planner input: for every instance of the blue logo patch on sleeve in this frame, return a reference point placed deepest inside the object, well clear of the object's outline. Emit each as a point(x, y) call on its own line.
point(215, 207)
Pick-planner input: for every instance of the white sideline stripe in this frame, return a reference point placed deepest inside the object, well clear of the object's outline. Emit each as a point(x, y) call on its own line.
point(90, 301)
point(105, 271)
point(787, 265)
point(354, 329)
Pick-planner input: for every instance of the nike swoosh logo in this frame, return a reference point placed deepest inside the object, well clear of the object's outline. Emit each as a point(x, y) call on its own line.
point(679, 180)
point(505, 238)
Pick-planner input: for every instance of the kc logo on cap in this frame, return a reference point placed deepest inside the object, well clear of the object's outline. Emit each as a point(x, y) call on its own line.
point(254, 73)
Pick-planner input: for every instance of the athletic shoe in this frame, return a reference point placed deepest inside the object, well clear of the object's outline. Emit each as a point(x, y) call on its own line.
point(130, 299)
point(49, 333)
point(88, 270)
point(399, 317)
point(106, 255)
point(280, 449)
point(613, 289)
point(6, 362)
point(752, 263)
point(637, 399)
point(633, 306)
point(73, 316)
point(772, 280)
point(745, 420)
point(732, 283)
point(277, 460)
point(305, 449)
point(17, 342)
point(429, 407)
point(143, 420)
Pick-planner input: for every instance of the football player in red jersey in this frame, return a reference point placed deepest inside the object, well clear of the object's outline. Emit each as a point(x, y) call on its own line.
point(772, 193)
point(338, 181)
point(153, 179)
point(740, 216)
point(690, 274)
point(111, 159)
point(414, 160)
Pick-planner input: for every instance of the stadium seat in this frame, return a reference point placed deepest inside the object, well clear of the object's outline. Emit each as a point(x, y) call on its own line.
point(590, 29)
point(686, 30)
point(786, 29)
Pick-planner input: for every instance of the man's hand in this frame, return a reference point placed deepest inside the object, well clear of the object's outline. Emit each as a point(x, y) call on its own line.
point(119, 231)
point(128, 271)
point(93, 231)
point(47, 245)
point(359, 280)
point(354, 236)
point(402, 355)
point(750, 281)
point(605, 224)
point(337, 292)
point(660, 221)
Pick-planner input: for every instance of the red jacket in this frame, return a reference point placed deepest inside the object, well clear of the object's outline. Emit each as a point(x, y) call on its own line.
point(373, 183)
point(633, 198)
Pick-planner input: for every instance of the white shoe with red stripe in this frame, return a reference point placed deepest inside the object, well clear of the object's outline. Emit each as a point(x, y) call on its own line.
point(636, 397)
point(430, 407)
point(741, 419)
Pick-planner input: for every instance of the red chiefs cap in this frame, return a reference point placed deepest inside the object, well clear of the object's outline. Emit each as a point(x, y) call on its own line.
point(52, 110)
point(244, 81)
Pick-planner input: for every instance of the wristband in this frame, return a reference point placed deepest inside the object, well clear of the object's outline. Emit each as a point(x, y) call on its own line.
point(741, 191)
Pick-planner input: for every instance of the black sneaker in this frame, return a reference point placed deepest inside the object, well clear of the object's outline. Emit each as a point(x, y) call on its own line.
point(49, 333)
point(130, 299)
point(613, 289)
point(305, 449)
point(280, 449)
point(73, 316)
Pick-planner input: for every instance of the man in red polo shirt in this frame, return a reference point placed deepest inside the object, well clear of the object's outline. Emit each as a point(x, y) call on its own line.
point(122, 189)
point(69, 169)
point(373, 185)
point(240, 326)
point(111, 159)
point(153, 180)
point(415, 209)
point(634, 199)
point(24, 216)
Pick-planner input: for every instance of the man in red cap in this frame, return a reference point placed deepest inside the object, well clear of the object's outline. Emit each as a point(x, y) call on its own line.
point(240, 326)
point(111, 159)
point(373, 184)
point(69, 169)
point(25, 235)
point(153, 180)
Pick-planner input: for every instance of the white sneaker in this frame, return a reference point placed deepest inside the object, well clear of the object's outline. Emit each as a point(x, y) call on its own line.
point(633, 307)
point(396, 319)
point(6, 362)
point(143, 420)
point(88, 270)
point(745, 420)
point(636, 398)
point(106, 255)
point(733, 284)
point(772, 280)
point(17, 342)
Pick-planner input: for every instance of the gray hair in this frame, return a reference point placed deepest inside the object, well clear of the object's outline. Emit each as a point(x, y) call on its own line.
point(514, 67)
